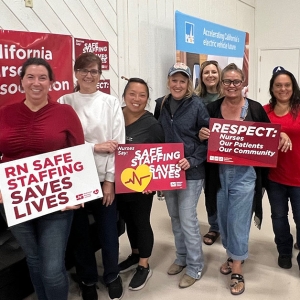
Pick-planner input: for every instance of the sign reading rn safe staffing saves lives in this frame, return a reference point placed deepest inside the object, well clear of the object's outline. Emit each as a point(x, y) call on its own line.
point(243, 143)
point(153, 167)
point(38, 185)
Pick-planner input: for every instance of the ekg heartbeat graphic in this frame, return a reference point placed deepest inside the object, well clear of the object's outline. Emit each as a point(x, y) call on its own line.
point(134, 177)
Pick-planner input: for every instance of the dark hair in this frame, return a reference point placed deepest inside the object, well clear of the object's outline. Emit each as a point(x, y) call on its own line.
point(201, 89)
point(38, 62)
point(232, 67)
point(83, 61)
point(295, 98)
point(136, 80)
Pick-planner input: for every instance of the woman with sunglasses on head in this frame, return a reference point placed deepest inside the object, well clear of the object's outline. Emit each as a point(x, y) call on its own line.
point(284, 180)
point(103, 125)
point(209, 89)
point(236, 189)
point(135, 208)
point(35, 126)
point(182, 114)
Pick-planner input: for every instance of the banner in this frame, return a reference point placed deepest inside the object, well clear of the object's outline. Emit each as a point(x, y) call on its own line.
point(17, 46)
point(243, 143)
point(100, 48)
point(42, 184)
point(198, 41)
point(141, 167)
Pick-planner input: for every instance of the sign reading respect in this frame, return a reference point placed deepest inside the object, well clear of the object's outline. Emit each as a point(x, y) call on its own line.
point(243, 143)
point(141, 167)
point(38, 185)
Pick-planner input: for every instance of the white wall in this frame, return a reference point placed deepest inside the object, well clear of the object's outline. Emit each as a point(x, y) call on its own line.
point(140, 32)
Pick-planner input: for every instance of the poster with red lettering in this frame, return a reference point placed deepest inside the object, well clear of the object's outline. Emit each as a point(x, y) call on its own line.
point(243, 143)
point(38, 185)
point(17, 46)
point(154, 167)
point(101, 49)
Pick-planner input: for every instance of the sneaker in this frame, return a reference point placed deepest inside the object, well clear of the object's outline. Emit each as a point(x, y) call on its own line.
point(140, 278)
point(89, 292)
point(129, 264)
point(284, 261)
point(115, 289)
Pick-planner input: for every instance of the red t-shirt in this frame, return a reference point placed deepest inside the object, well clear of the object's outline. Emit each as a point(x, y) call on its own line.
point(287, 171)
point(26, 133)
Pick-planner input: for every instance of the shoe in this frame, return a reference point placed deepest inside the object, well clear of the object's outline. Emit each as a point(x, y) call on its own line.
point(115, 289)
point(213, 237)
point(130, 263)
point(186, 281)
point(225, 269)
point(284, 261)
point(140, 278)
point(175, 269)
point(89, 292)
point(237, 280)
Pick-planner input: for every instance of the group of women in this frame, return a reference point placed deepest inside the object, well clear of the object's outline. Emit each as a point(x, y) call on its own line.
point(232, 193)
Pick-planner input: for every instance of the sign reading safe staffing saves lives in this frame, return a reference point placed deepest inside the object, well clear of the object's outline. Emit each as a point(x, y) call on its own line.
point(243, 143)
point(41, 184)
point(141, 167)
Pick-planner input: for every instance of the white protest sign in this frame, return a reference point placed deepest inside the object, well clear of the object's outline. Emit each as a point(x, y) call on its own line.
point(38, 185)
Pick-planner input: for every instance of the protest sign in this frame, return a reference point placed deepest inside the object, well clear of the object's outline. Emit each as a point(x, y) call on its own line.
point(38, 185)
point(243, 143)
point(141, 167)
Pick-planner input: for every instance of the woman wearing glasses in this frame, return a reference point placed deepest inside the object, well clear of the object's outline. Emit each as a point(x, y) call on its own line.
point(237, 189)
point(209, 89)
point(182, 114)
point(103, 125)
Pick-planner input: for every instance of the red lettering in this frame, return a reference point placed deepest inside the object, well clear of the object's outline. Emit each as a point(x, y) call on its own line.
point(37, 165)
point(16, 195)
point(32, 179)
point(17, 214)
point(30, 193)
point(67, 157)
point(67, 184)
point(63, 197)
point(12, 184)
point(55, 186)
point(51, 201)
point(36, 206)
point(42, 190)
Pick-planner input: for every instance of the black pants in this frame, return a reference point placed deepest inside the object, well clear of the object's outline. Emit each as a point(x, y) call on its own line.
point(135, 209)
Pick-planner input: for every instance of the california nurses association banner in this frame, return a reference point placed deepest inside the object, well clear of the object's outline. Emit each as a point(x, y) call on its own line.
point(41, 184)
point(141, 167)
point(17, 46)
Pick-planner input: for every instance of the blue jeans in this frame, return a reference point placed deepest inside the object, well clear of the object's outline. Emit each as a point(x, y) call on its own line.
point(44, 242)
point(279, 196)
point(213, 222)
point(182, 207)
point(107, 233)
point(234, 202)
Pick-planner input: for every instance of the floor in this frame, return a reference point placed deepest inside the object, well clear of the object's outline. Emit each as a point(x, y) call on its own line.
point(264, 279)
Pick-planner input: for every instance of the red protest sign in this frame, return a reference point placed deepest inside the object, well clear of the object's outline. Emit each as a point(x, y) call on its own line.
point(100, 48)
point(152, 167)
point(17, 46)
point(243, 143)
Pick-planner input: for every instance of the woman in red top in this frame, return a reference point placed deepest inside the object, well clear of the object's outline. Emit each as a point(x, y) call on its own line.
point(284, 180)
point(35, 126)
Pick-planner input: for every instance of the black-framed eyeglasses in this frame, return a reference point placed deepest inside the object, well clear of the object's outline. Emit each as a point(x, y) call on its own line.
point(84, 72)
point(209, 62)
point(228, 82)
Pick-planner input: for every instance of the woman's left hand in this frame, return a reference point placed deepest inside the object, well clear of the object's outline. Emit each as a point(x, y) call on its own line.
point(184, 164)
point(73, 207)
point(285, 143)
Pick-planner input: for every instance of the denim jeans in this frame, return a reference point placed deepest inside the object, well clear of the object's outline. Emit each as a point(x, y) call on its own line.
point(213, 222)
point(44, 242)
point(279, 196)
point(182, 207)
point(234, 202)
point(107, 233)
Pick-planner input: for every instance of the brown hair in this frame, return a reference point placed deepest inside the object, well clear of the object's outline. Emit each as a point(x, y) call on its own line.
point(232, 67)
point(83, 61)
